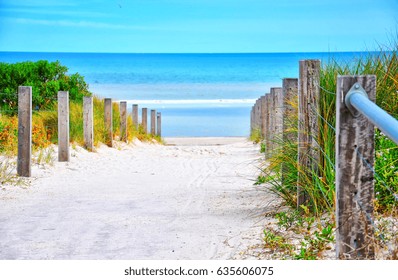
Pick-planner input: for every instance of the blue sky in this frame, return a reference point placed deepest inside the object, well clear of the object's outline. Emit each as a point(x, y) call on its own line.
point(175, 26)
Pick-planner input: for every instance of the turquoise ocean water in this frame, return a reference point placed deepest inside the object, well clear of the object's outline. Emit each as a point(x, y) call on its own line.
point(198, 94)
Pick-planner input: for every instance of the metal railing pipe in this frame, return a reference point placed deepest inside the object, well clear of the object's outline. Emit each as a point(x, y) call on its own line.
point(380, 118)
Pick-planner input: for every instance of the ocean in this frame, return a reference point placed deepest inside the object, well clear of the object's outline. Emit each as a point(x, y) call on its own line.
point(197, 94)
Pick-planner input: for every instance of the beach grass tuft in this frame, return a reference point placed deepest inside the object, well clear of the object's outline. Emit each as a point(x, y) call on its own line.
point(319, 181)
point(45, 133)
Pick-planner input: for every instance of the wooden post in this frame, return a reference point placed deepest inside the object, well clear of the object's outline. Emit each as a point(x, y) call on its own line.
point(88, 123)
point(271, 119)
point(255, 116)
point(63, 126)
point(267, 124)
point(308, 126)
point(108, 122)
point(259, 110)
point(263, 118)
point(159, 124)
point(251, 120)
point(153, 122)
point(354, 178)
point(135, 115)
point(258, 114)
point(123, 121)
point(277, 94)
point(144, 121)
point(24, 131)
point(289, 91)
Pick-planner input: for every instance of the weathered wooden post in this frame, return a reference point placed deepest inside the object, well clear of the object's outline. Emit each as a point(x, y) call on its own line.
point(258, 114)
point(153, 122)
point(251, 120)
point(159, 124)
point(271, 120)
point(135, 115)
point(63, 126)
point(123, 121)
point(108, 122)
point(144, 120)
point(88, 123)
point(277, 94)
point(262, 116)
point(259, 110)
point(354, 178)
point(267, 125)
point(254, 116)
point(289, 91)
point(308, 125)
point(24, 131)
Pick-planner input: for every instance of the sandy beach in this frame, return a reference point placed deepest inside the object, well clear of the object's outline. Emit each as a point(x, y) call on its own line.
point(192, 198)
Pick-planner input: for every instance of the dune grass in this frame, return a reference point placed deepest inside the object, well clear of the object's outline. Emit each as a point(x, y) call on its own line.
point(45, 127)
point(319, 183)
point(255, 136)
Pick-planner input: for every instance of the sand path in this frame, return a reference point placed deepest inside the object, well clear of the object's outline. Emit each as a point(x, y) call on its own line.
point(180, 201)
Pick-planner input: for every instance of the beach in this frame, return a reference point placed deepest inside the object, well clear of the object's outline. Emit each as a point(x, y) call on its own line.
point(197, 93)
point(192, 198)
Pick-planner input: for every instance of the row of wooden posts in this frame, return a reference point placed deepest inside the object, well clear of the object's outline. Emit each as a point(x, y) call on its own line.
point(156, 119)
point(25, 125)
point(354, 149)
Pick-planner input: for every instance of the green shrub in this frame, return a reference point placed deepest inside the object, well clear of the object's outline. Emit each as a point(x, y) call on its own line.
point(46, 79)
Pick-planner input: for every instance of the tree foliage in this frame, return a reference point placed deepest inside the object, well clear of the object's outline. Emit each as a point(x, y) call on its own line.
point(46, 79)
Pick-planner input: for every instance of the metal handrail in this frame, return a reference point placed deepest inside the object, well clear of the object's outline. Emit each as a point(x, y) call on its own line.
point(357, 101)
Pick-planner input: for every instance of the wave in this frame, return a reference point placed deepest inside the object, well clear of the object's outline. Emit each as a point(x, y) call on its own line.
point(183, 91)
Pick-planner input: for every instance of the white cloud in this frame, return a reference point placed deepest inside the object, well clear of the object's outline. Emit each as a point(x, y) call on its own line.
point(35, 11)
point(71, 23)
point(40, 3)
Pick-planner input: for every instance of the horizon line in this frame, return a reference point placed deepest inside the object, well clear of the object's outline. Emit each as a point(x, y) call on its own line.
point(171, 53)
point(192, 101)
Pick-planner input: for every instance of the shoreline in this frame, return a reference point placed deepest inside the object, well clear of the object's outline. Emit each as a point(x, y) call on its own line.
point(202, 141)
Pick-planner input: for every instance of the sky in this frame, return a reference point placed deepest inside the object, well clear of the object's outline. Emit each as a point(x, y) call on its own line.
point(196, 26)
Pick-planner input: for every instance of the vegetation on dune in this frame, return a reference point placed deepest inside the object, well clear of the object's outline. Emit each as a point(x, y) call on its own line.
point(46, 79)
point(320, 185)
point(255, 136)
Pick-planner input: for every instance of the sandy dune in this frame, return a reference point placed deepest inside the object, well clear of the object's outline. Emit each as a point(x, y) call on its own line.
point(191, 199)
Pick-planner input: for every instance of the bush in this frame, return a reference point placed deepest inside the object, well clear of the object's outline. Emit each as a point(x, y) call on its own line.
point(8, 134)
point(46, 79)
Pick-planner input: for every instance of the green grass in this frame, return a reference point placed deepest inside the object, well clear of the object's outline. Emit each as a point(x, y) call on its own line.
point(319, 185)
point(255, 136)
point(7, 172)
point(316, 235)
point(45, 129)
